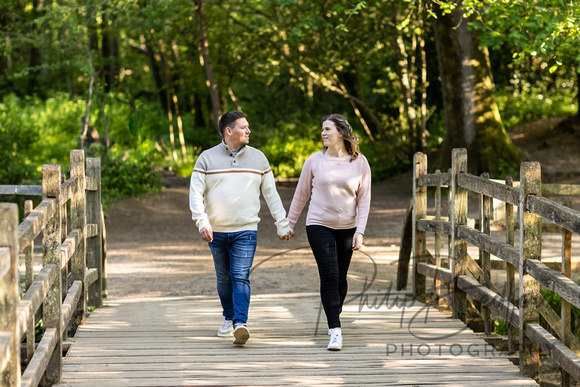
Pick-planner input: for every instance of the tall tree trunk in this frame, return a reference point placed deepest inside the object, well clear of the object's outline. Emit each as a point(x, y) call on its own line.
point(206, 63)
point(157, 78)
point(109, 49)
point(471, 114)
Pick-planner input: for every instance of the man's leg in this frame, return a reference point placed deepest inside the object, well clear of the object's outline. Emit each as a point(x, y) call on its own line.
point(241, 252)
point(221, 260)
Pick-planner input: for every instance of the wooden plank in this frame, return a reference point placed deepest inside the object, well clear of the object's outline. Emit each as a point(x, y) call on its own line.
point(5, 349)
point(38, 365)
point(557, 351)
point(69, 188)
point(68, 247)
point(29, 190)
point(35, 222)
point(36, 293)
point(172, 341)
point(555, 281)
point(555, 212)
point(91, 275)
point(491, 188)
point(491, 299)
point(433, 271)
point(4, 261)
point(561, 189)
point(435, 179)
point(501, 250)
point(438, 226)
point(70, 303)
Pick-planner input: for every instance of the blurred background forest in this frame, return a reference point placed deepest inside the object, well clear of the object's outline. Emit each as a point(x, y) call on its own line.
point(141, 83)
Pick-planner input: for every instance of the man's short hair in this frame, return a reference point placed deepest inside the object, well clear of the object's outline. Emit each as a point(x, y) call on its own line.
point(227, 119)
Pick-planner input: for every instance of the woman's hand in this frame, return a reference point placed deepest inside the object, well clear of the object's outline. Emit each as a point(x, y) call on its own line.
point(287, 237)
point(357, 241)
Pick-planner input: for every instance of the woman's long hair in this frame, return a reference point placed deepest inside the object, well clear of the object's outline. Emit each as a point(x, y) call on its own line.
point(344, 128)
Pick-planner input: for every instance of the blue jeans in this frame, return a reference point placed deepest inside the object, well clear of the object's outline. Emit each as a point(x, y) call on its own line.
point(233, 255)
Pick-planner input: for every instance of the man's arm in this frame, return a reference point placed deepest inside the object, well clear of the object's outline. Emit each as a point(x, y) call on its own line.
point(197, 205)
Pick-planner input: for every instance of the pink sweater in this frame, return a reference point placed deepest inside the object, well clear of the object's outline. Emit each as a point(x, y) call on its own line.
point(339, 192)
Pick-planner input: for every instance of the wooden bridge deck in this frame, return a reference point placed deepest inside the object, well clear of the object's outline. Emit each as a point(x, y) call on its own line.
point(172, 342)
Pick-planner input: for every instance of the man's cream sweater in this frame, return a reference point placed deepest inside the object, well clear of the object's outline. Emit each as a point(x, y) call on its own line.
point(225, 190)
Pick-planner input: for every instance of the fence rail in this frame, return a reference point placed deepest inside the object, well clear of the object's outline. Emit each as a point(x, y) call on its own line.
point(469, 280)
point(69, 219)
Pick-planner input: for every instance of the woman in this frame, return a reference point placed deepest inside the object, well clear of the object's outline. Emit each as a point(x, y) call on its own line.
point(337, 180)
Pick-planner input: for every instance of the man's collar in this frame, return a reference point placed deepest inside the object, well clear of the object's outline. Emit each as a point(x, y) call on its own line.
point(229, 150)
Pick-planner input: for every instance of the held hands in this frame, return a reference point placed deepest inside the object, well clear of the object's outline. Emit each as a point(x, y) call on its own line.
point(288, 236)
point(357, 241)
point(206, 234)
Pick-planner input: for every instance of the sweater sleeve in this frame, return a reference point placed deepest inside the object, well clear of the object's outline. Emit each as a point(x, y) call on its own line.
point(274, 203)
point(196, 195)
point(364, 197)
point(302, 193)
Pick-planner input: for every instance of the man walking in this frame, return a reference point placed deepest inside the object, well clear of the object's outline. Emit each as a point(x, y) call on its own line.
point(224, 198)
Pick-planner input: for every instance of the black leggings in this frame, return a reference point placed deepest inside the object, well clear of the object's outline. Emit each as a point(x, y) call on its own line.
point(332, 250)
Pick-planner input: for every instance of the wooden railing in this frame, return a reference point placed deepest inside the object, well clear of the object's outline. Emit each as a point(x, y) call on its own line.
point(469, 281)
point(69, 219)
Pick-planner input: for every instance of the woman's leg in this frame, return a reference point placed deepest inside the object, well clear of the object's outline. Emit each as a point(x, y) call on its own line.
point(344, 252)
point(323, 245)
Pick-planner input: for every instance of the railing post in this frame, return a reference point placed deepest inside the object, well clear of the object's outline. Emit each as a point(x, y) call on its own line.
point(78, 221)
point(9, 296)
point(51, 306)
point(565, 311)
point(458, 246)
point(437, 283)
point(510, 269)
point(29, 277)
point(419, 212)
point(94, 244)
point(530, 248)
point(485, 216)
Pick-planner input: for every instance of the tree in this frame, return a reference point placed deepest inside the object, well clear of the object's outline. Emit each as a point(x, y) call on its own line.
point(471, 114)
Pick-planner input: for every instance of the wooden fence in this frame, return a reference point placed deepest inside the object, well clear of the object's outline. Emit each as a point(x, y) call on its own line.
point(69, 222)
point(469, 280)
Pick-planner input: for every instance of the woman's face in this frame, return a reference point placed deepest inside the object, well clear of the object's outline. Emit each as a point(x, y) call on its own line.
point(331, 137)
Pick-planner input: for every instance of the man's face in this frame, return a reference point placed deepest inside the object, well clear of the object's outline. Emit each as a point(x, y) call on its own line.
point(238, 135)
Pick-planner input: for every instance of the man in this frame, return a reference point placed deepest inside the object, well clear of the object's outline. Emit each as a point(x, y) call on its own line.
point(224, 199)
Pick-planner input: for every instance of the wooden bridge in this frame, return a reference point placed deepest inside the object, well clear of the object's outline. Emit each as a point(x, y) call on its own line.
point(390, 338)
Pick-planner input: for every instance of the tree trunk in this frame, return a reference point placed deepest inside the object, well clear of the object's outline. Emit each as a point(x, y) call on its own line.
point(109, 49)
point(206, 63)
point(156, 73)
point(471, 114)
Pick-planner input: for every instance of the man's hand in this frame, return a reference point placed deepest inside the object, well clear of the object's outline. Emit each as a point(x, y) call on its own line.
point(287, 237)
point(357, 241)
point(206, 234)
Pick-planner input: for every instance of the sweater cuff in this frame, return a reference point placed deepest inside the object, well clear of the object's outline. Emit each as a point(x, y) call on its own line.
point(283, 227)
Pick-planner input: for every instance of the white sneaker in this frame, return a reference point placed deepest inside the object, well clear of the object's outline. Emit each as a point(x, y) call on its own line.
point(335, 343)
point(227, 329)
point(241, 334)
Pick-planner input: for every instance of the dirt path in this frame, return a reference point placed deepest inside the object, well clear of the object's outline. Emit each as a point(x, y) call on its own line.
point(154, 248)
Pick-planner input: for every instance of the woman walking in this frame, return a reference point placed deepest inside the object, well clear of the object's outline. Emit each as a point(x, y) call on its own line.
point(337, 180)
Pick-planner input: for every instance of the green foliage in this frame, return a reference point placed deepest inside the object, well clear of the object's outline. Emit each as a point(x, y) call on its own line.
point(130, 173)
point(555, 302)
point(35, 132)
point(288, 147)
point(501, 326)
point(531, 103)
